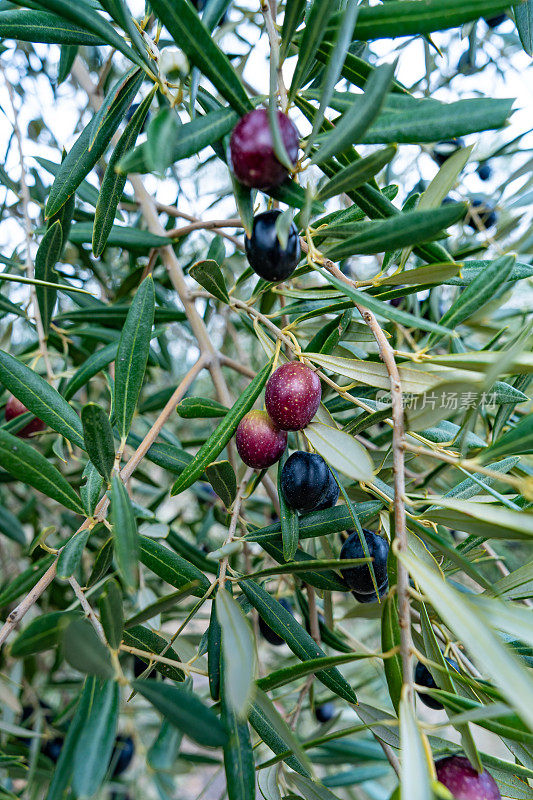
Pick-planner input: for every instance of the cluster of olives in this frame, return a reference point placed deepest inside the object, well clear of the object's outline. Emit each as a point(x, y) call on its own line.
point(121, 757)
point(292, 397)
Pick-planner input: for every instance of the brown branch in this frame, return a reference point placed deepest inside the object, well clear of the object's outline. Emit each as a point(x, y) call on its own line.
point(84, 603)
point(233, 522)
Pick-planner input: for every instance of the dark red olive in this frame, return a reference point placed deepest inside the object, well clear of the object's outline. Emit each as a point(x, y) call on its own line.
point(292, 396)
point(266, 256)
point(252, 149)
point(260, 442)
point(462, 780)
point(359, 578)
point(14, 408)
point(266, 631)
point(423, 677)
point(307, 482)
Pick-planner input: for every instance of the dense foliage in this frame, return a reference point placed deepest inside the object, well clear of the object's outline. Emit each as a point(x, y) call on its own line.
point(310, 263)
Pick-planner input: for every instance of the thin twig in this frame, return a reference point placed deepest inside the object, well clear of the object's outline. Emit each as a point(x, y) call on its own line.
point(398, 443)
point(84, 603)
point(233, 522)
point(161, 659)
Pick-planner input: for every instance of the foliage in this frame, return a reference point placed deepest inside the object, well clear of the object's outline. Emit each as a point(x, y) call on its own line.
point(140, 559)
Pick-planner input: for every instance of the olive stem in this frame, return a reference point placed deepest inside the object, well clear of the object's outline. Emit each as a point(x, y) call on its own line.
point(233, 522)
point(398, 441)
point(84, 603)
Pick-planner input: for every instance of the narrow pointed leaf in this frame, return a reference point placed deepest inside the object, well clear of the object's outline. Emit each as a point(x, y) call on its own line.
point(40, 398)
point(71, 553)
point(209, 275)
point(112, 613)
point(28, 465)
point(29, 25)
point(95, 742)
point(113, 183)
point(132, 355)
point(45, 260)
point(288, 519)
point(479, 292)
point(300, 642)
point(124, 533)
point(92, 142)
point(90, 20)
point(98, 437)
point(353, 124)
point(238, 653)
point(184, 710)
point(190, 34)
point(85, 651)
point(171, 567)
point(357, 173)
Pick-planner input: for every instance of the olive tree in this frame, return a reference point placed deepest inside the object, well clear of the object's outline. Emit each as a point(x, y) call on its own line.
point(265, 454)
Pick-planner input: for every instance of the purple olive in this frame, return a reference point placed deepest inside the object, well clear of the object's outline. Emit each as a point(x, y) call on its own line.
point(292, 396)
point(260, 442)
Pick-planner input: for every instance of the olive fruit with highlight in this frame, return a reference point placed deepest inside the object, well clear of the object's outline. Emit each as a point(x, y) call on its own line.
point(252, 149)
point(463, 782)
point(292, 396)
point(307, 482)
point(260, 443)
point(267, 632)
point(359, 578)
point(14, 408)
point(423, 677)
point(264, 252)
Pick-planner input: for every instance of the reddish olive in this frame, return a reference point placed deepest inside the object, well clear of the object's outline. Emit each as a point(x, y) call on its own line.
point(252, 149)
point(462, 780)
point(292, 396)
point(260, 442)
point(14, 408)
